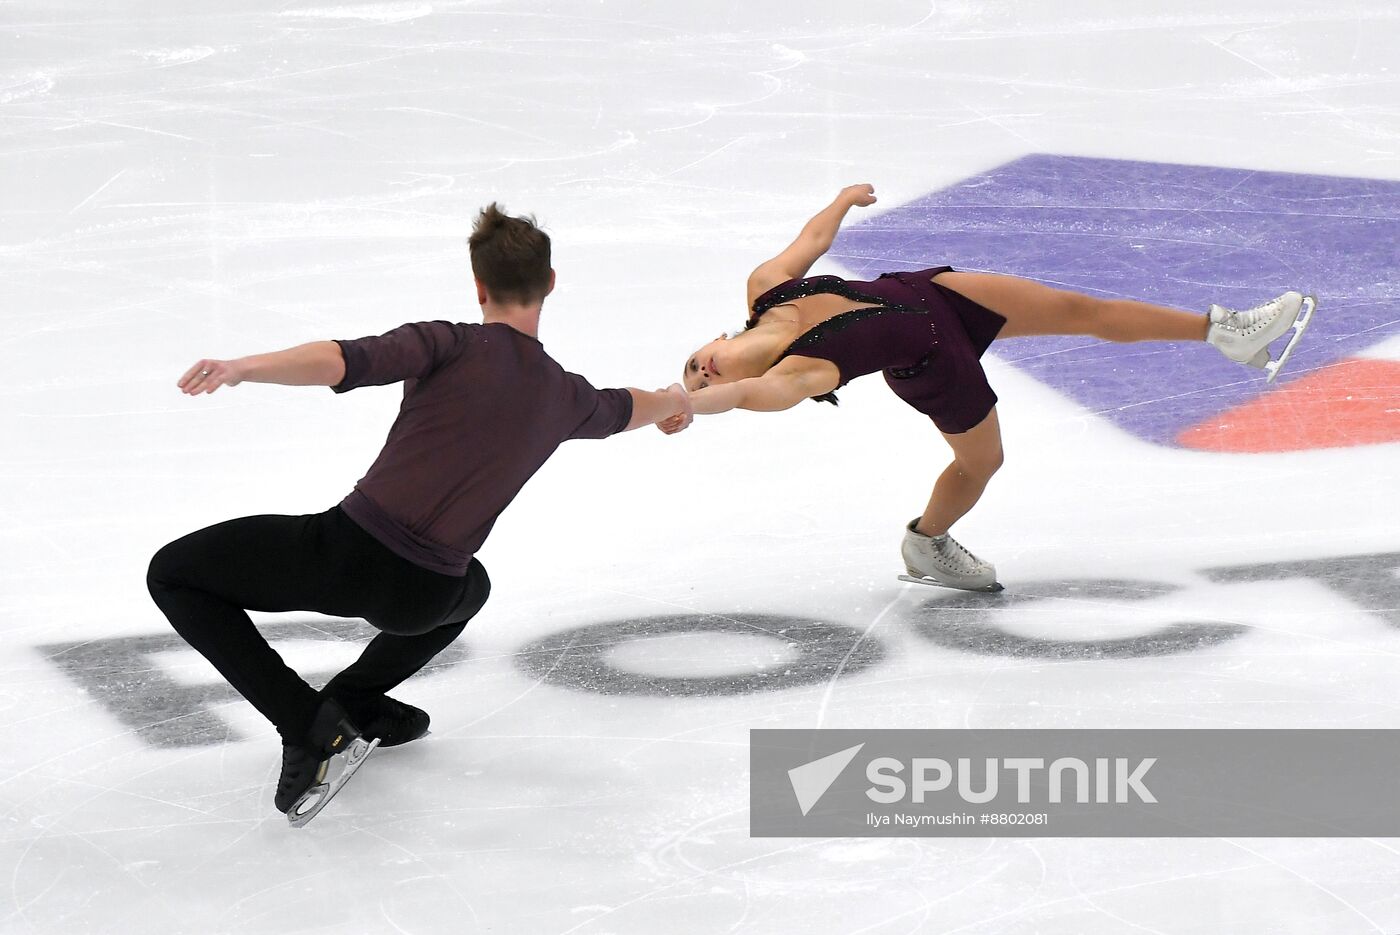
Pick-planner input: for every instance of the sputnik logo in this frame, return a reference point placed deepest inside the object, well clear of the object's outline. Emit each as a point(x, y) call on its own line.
point(811, 780)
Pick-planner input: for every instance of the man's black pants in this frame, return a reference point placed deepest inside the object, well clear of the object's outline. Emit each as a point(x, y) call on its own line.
point(206, 581)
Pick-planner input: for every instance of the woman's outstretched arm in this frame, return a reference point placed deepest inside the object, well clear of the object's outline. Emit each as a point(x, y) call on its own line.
point(783, 387)
point(320, 363)
point(814, 240)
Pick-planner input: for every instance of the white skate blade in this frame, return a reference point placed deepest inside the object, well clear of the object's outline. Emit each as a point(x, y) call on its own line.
point(319, 796)
point(1300, 324)
point(992, 588)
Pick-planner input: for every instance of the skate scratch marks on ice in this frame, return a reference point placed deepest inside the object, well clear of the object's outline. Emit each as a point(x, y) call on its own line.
point(703, 874)
point(1312, 882)
point(831, 682)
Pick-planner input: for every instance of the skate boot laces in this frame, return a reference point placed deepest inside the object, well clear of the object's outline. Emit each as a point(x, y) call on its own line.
point(1251, 321)
point(954, 557)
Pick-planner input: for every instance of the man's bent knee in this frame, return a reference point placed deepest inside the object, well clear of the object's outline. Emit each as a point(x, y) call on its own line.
point(474, 594)
point(163, 572)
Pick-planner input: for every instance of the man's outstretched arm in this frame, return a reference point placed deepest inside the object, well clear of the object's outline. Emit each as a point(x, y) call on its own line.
point(320, 363)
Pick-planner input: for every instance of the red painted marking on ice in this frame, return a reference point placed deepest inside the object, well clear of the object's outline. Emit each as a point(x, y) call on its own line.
point(1352, 402)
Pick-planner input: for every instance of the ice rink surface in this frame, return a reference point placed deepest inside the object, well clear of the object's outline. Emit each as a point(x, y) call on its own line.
point(218, 179)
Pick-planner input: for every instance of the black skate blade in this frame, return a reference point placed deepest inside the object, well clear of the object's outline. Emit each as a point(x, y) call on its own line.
point(992, 588)
point(319, 796)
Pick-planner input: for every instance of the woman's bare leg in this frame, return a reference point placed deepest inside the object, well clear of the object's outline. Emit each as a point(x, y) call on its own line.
point(976, 456)
point(1032, 309)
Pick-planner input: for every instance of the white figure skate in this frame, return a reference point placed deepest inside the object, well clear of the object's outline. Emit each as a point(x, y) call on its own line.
point(943, 562)
point(1245, 336)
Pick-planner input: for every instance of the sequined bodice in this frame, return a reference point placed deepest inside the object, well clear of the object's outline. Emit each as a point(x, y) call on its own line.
point(884, 336)
point(793, 289)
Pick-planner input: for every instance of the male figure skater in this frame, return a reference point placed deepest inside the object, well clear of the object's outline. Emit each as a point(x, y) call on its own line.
point(484, 407)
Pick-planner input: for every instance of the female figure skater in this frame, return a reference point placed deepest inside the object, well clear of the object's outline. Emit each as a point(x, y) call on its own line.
point(926, 330)
point(484, 407)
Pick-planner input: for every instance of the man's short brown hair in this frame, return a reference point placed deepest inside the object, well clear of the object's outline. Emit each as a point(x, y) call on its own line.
point(510, 256)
